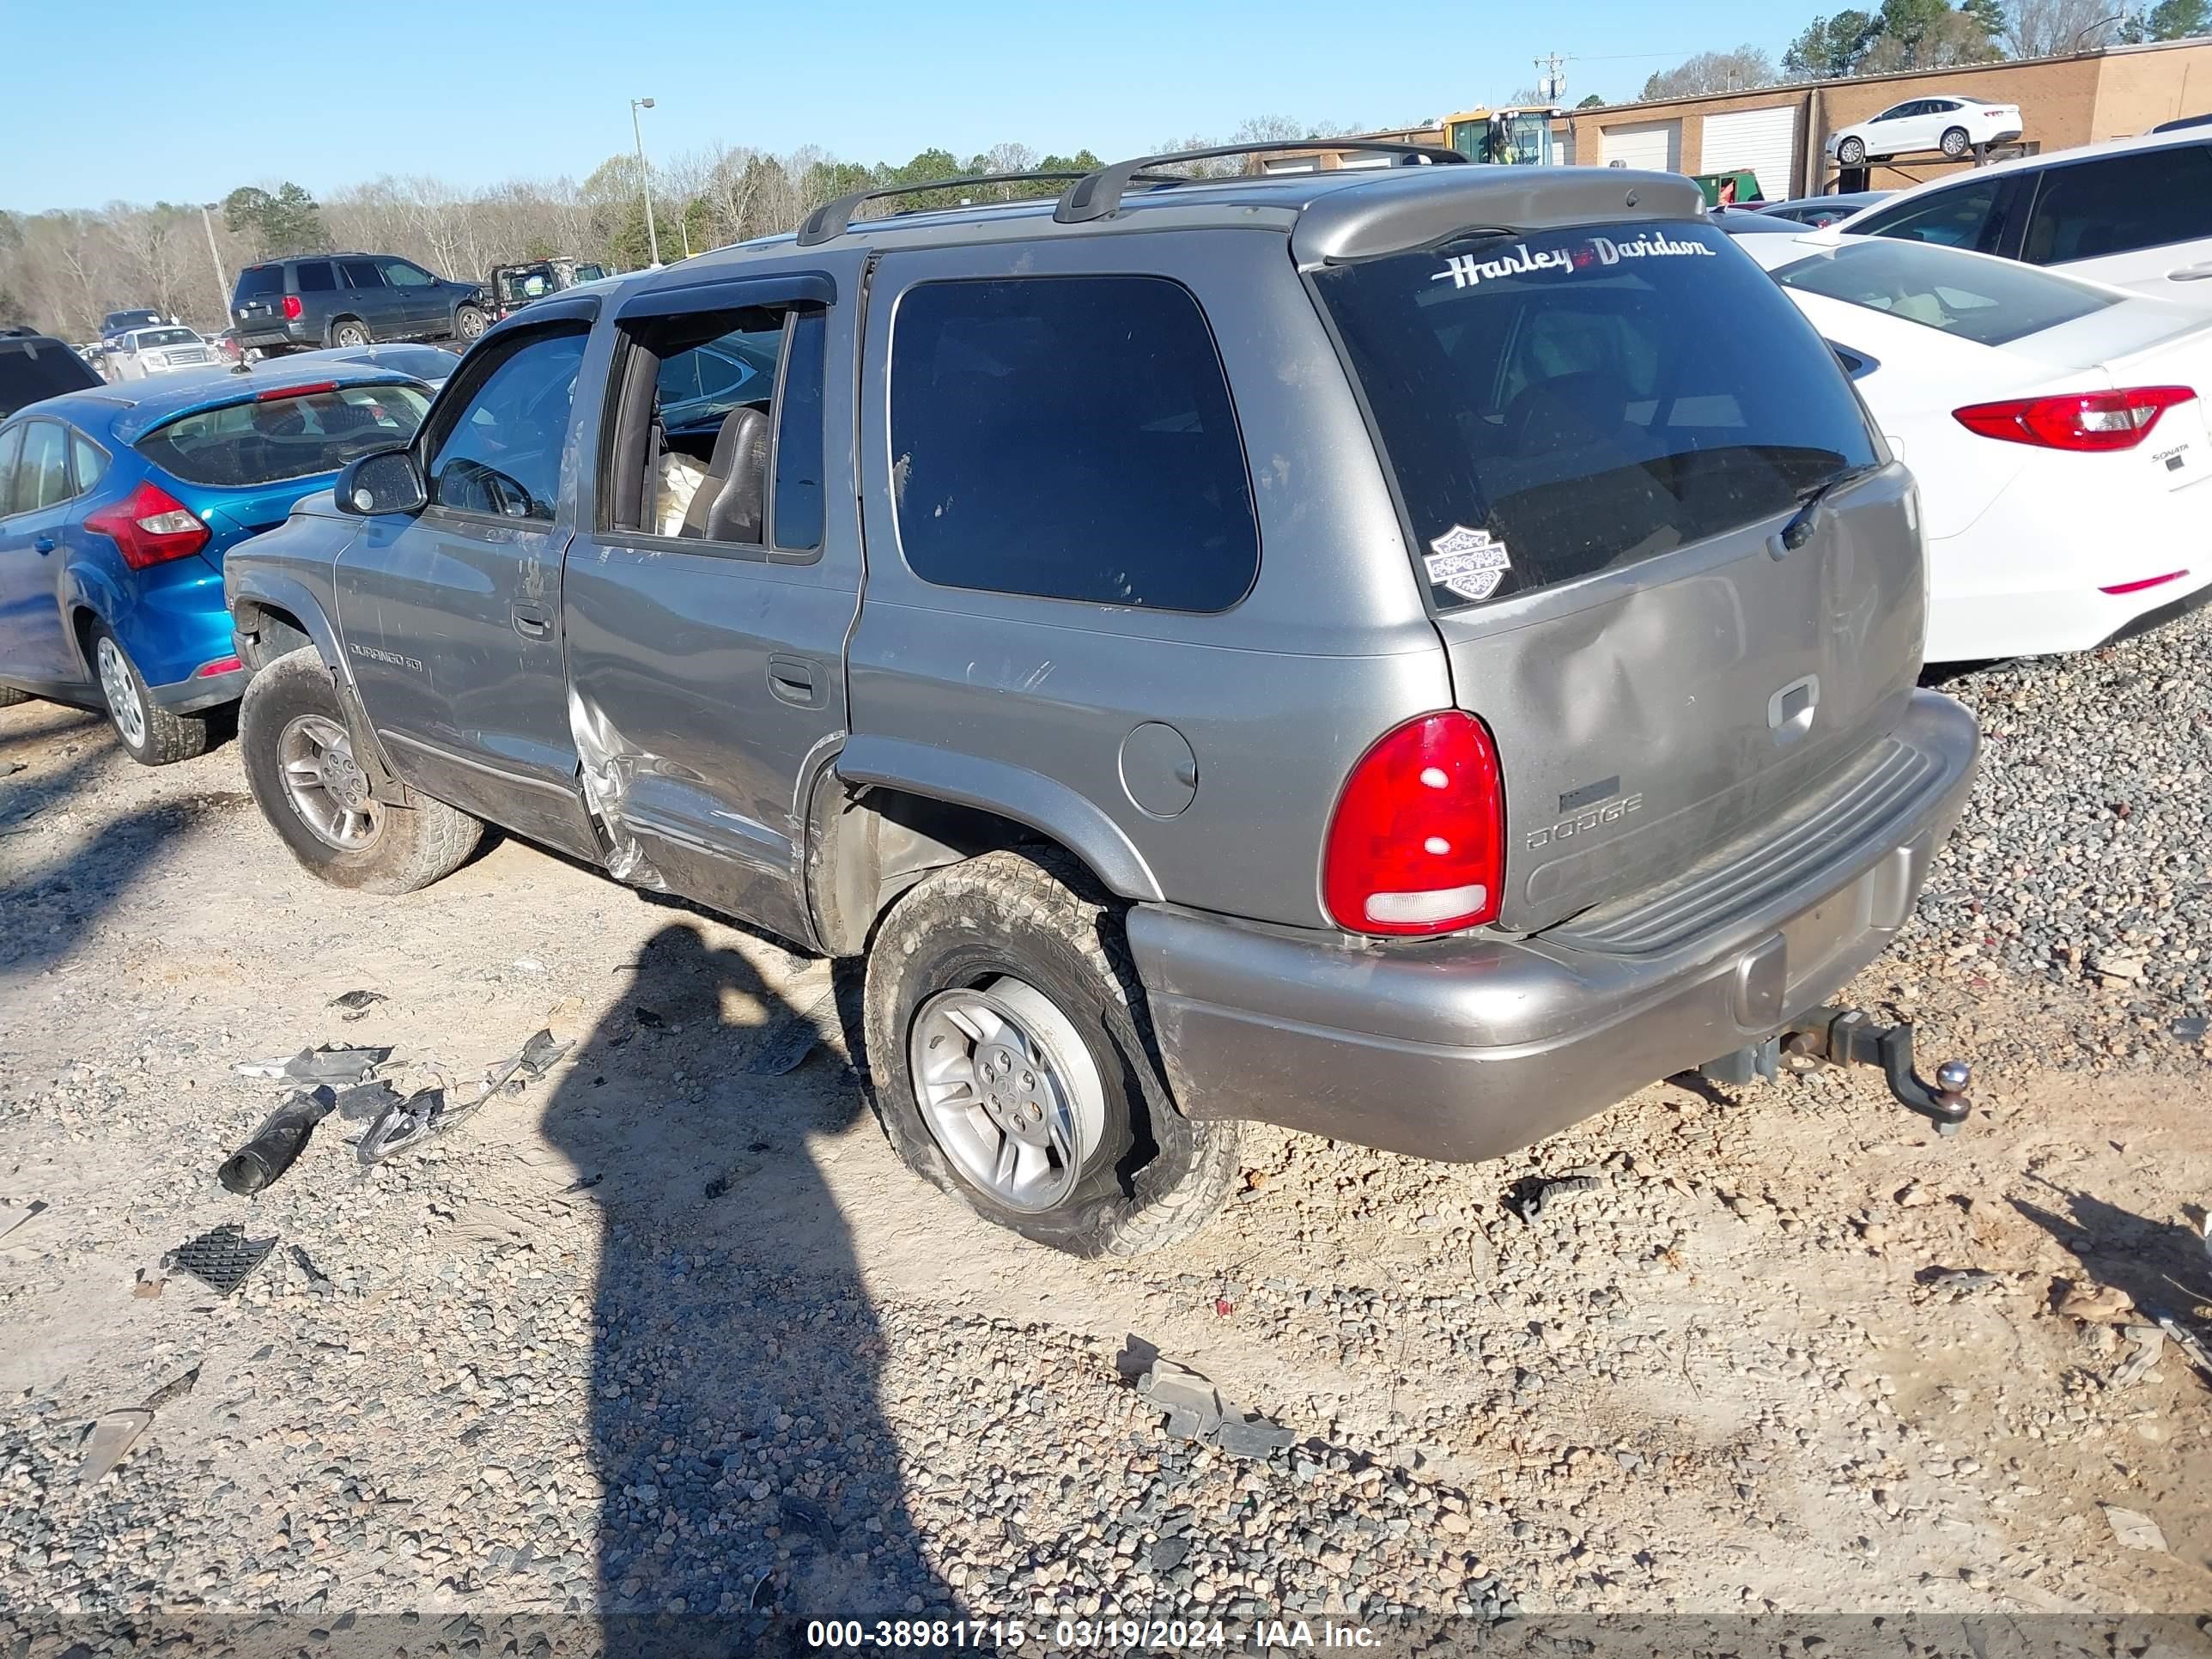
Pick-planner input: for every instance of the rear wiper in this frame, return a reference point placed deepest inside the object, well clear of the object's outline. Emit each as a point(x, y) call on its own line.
point(1800, 529)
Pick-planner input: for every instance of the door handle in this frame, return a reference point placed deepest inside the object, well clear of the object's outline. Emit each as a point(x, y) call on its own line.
point(796, 680)
point(534, 622)
point(45, 543)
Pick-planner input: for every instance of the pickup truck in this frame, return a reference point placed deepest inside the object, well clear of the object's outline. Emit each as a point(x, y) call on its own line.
point(1410, 654)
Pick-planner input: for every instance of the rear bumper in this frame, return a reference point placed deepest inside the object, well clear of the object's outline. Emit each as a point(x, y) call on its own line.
point(1467, 1047)
point(206, 691)
point(1977, 627)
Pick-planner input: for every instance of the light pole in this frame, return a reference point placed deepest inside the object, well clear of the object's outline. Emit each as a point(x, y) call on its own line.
point(644, 175)
point(221, 290)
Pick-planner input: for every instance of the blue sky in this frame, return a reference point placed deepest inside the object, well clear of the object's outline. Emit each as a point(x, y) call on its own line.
point(478, 93)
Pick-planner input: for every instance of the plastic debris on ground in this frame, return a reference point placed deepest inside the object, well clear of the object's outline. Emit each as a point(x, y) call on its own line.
point(112, 1437)
point(276, 1144)
point(2133, 1531)
point(331, 1063)
point(2150, 1344)
point(365, 1103)
point(15, 1213)
point(1530, 1198)
point(2188, 1342)
point(306, 1263)
point(1196, 1411)
point(432, 1111)
point(172, 1391)
point(791, 1036)
point(222, 1259)
point(355, 1005)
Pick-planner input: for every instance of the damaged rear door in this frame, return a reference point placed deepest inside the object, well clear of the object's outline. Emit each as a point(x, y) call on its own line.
point(709, 590)
point(452, 617)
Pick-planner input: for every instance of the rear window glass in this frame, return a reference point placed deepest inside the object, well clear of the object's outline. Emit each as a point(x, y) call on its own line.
point(1561, 404)
point(257, 443)
point(1072, 438)
point(167, 336)
point(1992, 303)
point(259, 283)
point(34, 369)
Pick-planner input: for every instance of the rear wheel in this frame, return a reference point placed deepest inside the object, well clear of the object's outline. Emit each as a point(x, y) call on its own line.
point(1012, 1060)
point(1955, 143)
point(1851, 152)
point(150, 733)
point(350, 331)
point(468, 322)
point(301, 766)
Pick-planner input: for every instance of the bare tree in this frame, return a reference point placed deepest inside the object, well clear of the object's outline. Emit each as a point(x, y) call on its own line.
point(2049, 28)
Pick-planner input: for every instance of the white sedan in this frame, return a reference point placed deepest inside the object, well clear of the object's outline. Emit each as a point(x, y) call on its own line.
point(2054, 427)
point(1938, 121)
point(143, 351)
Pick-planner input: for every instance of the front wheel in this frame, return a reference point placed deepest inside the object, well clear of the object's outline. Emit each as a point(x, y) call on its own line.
point(301, 766)
point(1012, 1063)
point(150, 733)
point(1851, 152)
point(1955, 143)
point(468, 322)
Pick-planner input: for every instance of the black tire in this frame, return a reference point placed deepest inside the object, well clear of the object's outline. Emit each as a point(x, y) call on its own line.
point(350, 332)
point(1155, 1177)
point(1851, 152)
point(149, 733)
point(412, 846)
point(1955, 143)
point(468, 322)
point(9, 697)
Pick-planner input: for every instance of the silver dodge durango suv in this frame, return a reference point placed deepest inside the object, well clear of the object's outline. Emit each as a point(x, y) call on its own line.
point(1410, 654)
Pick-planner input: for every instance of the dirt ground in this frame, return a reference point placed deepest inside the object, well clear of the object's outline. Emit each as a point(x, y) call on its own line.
point(1789, 1351)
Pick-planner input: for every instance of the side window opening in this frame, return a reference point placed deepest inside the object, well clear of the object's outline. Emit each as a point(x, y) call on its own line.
point(2146, 198)
point(1069, 438)
point(726, 448)
point(500, 451)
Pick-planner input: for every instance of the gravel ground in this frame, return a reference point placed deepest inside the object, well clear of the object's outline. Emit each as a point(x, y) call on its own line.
point(657, 1343)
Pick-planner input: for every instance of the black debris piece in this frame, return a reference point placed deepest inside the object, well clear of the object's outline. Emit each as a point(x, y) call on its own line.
point(331, 1063)
point(809, 1516)
point(365, 1103)
point(650, 1020)
point(172, 1391)
point(540, 1054)
point(307, 1265)
point(356, 1005)
point(717, 1186)
point(279, 1140)
point(1530, 1198)
point(789, 1038)
point(222, 1259)
point(1196, 1411)
point(582, 1184)
point(403, 1124)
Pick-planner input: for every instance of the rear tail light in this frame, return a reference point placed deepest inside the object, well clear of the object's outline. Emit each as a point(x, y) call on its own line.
point(150, 527)
point(2076, 420)
point(220, 666)
point(291, 307)
point(1418, 841)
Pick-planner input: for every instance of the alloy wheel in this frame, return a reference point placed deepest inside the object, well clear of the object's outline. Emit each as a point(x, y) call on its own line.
point(120, 688)
point(326, 785)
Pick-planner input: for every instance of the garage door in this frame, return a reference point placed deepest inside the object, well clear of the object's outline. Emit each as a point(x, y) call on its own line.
point(1763, 140)
point(1654, 146)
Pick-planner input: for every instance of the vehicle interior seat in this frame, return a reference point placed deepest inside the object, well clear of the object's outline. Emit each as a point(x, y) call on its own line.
point(731, 501)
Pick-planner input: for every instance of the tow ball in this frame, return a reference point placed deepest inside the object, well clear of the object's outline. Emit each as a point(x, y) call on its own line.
point(1849, 1037)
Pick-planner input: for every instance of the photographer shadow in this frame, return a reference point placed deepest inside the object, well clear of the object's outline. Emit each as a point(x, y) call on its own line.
point(749, 1480)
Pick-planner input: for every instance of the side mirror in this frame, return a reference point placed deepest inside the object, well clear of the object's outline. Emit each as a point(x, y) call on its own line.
point(387, 481)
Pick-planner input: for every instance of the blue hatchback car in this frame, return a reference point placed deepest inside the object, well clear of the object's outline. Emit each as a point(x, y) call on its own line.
point(116, 506)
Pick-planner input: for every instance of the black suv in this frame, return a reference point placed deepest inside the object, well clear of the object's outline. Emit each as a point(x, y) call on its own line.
point(350, 300)
point(34, 367)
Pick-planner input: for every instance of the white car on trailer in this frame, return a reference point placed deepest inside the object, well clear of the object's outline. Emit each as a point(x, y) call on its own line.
point(2054, 426)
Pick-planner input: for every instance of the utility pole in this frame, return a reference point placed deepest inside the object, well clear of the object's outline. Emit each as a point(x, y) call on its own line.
point(1554, 82)
point(645, 176)
point(215, 258)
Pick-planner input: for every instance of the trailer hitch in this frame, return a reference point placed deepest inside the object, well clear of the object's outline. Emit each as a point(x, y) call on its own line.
point(1849, 1037)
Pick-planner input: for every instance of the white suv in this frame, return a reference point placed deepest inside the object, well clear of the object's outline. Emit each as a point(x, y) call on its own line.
point(2135, 212)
